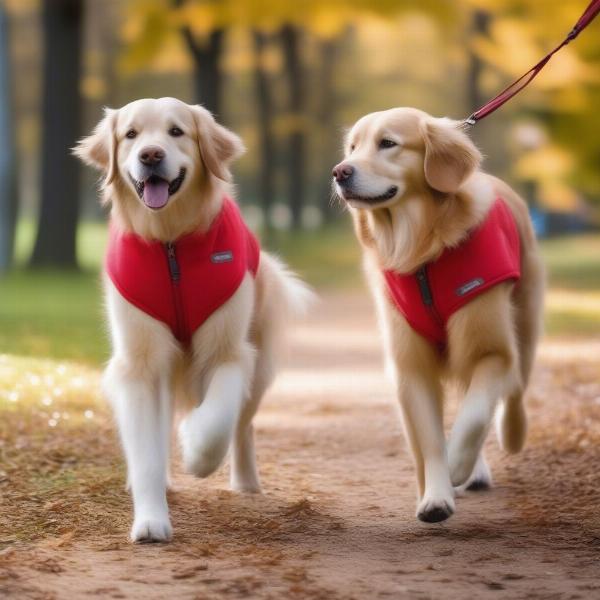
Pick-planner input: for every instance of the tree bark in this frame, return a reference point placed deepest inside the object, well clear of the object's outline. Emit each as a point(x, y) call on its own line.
point(480, 26)
point(291, 38)
point(265, 107)
point(329, 49)
point(59, 212)
point(8, 163)
point(208, 82)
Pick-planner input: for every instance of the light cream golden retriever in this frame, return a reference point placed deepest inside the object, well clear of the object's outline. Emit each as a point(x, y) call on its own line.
point(165, 167)
point(413, 186)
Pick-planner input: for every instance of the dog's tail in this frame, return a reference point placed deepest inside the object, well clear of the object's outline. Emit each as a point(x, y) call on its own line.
point(295, 296)
point(511, 423)
point(283, 296)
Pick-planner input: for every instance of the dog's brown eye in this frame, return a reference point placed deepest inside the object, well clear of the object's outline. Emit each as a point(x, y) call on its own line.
point(175, 132)
point(385, 143)
point(131, 134)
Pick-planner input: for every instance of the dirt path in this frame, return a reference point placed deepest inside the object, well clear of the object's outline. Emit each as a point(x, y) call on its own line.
point(337, 517)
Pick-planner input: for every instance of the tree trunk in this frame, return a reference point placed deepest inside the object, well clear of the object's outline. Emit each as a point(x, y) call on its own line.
point(328, 120)
point(291, 38)
point(8, 163)
point(208, 82)
point(57, 225)
point(480, 26)
point(265, 131)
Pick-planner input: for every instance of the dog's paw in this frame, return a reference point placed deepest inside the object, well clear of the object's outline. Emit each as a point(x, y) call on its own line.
point(435, 509)
point(200, 462)
point(480, 479)
point(243, 487)
point(203, 449)
point(148, 530)
point(461, 464)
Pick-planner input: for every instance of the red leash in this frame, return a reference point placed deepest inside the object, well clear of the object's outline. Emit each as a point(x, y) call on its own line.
point(514, 88)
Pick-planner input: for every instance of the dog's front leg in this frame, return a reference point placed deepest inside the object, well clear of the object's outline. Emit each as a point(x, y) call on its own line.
point(206, 432)
point(143, 412)
point(420, 401)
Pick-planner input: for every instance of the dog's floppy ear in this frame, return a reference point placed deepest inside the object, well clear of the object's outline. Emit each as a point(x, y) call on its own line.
point(99, 150)
point(218, 146)
point(450, 155)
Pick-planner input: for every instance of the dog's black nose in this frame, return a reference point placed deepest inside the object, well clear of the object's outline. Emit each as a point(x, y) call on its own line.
point(151, 155)
point(342, 172)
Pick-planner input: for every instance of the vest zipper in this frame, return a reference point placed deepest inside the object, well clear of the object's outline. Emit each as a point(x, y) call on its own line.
point(427, 295)
point(175, 274)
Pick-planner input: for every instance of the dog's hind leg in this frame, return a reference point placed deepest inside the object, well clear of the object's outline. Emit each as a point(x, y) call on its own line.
point(244, 473)
point(511, 423)
point(511, 417)
point(207, 431)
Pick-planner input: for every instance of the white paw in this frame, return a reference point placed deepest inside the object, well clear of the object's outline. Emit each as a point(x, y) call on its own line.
point(203, 448)
point(461, 465)
point(436, 507)
point(463, 451)
point(246, 487)
point(481, 477)
point(146, 530)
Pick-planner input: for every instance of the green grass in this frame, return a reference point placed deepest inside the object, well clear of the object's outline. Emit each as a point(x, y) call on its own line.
point(58, 314)
point(325, 259)
point(573, 262)
point(573, 298)
point(53, 314)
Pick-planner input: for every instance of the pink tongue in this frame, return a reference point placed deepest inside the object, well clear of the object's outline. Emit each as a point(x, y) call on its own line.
point(156, 194)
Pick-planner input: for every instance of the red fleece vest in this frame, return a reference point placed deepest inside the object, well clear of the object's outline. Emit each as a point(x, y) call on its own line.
point(182, 283)
point(430, 296)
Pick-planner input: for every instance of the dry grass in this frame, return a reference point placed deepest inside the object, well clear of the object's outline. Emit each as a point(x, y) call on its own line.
point(60, 462)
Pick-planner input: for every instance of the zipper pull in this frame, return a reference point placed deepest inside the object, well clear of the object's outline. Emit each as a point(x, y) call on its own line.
point(424, 288)
point(173, 264)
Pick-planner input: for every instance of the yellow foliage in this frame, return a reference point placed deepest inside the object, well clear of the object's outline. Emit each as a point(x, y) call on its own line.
point(558, 197)
point(549, 166)
point(92, 87)
point(17, 7)
point(549, 162)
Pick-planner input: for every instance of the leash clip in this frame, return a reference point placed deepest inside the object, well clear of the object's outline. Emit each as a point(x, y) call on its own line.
point(471, 120)
point(573, 34)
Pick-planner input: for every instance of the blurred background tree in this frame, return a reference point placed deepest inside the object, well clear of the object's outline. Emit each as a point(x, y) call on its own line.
point(59, 191)
point(8, 163)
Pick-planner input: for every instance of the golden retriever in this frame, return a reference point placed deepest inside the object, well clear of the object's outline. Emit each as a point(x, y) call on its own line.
point(414, 189)
point(166, 167)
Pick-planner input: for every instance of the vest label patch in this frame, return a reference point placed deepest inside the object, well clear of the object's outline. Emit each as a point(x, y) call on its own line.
point(469, 286)
point(221, 257)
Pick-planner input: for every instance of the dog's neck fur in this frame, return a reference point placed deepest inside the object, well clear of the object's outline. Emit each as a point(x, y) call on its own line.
point(416, 230)
point(182, 215)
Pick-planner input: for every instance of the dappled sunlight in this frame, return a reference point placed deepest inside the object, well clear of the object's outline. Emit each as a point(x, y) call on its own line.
point(56, 391)
point(366, 383)
point(559, 351)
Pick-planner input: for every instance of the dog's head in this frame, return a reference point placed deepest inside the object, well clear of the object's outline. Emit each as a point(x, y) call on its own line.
point(397, 153)
point(158, 150)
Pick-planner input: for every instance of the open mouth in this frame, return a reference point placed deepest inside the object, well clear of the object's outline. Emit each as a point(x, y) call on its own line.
point(390, 193)
point(155, 191)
